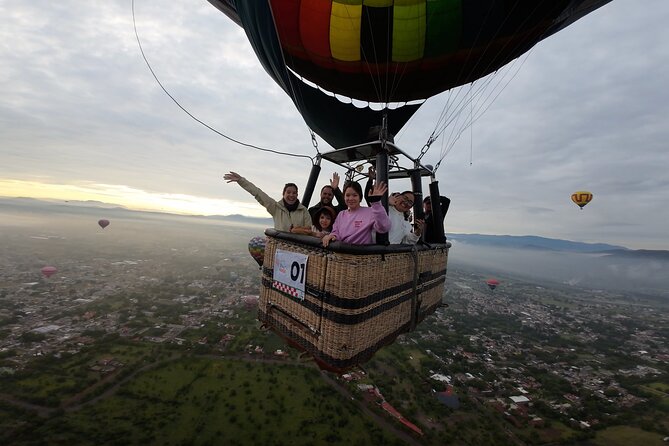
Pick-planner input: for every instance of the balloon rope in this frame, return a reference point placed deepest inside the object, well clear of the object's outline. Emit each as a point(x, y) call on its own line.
point(482, 105)
point(471, 133)
point(250, 146)
point(295, 94)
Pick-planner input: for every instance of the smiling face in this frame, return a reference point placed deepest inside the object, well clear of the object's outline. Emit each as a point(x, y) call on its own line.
point(404, 202)
point(352, 198)
point(326, 195)
point(324, 220)
point(290, 194)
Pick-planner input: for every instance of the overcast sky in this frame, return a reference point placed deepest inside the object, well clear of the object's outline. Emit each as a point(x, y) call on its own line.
point(81, 117)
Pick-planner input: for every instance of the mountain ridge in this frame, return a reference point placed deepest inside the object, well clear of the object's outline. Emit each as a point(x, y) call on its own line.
point(536, 242)
point(526, 242)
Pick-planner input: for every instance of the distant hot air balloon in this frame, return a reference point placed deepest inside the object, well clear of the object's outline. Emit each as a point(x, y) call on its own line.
point(257, 249)
point(581, 198)
point(49, 271)
point(103, 223)
point(492, 283)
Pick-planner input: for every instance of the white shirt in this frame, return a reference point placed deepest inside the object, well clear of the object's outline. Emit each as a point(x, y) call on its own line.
point(400, 229)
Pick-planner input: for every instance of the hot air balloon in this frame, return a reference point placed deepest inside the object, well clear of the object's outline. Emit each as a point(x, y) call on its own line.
point(492, 283)
point(103, 223)
point(581, 198)
point(388, 51)
point(357, 71)
point(49, 271)
point(257, 249)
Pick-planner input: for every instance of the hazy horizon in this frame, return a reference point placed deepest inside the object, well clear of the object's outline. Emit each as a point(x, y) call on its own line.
point(82, 117)
point(53, 237)
point(99, 207)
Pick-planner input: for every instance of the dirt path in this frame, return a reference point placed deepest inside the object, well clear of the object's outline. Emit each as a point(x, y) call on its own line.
point(111, 390)
point(42, 411)
point(385, 423)
point(73, 404)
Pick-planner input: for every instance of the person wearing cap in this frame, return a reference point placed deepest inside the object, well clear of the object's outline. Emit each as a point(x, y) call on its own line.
point(431, 235)
point(286, 213)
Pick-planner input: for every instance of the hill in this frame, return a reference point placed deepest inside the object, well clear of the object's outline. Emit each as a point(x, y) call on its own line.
point(534, 242)
point(107, 210)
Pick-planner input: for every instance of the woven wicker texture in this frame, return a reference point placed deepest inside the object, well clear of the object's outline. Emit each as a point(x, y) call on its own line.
point(377, 288)
point(434, 261)
point(354, 304)
point(308, 312)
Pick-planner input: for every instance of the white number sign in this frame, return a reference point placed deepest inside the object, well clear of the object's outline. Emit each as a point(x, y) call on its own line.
point(290, 273)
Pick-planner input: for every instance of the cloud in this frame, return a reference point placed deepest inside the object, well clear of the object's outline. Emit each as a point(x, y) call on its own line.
point(585, 110)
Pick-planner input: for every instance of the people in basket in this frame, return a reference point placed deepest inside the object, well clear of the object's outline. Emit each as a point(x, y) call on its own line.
point(401, 231)
point(431, 234)
point(356, 224)
point(322, 222)
point(286, 212)
point(328, 193)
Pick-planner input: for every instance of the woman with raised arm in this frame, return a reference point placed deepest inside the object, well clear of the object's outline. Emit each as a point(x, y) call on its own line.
point(356, 223)
point(399, 206)
point(287, 213)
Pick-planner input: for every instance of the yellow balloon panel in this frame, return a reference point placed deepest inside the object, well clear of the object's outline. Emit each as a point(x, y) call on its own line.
point(581, 198)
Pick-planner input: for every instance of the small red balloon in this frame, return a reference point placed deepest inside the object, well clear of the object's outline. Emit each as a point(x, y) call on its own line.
point(492, 283)
point(103, 223)
point(49, 271)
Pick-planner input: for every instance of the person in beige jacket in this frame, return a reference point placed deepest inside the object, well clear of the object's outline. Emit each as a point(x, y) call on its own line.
point(287, 213)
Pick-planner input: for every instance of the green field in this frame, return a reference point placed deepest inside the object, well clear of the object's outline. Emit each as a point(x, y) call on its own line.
point(53, 381)
point(203, 401)
point(626, 436)
point(660, 386)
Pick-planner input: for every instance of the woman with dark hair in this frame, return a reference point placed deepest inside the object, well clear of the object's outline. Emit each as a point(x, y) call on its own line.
point(322, 220)
point(399, 212)
point(356, 224)
point(287, 212)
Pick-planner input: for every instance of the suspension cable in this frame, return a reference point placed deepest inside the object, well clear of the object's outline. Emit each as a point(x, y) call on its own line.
point(236, 141)
point(484, 104)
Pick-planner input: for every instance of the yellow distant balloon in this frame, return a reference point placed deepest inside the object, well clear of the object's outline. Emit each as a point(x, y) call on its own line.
point(581, 198)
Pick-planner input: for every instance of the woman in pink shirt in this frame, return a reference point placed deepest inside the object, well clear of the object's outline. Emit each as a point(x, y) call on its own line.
point(355, 224)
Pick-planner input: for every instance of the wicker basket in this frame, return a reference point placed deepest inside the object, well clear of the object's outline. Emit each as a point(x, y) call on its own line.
point(357, 298)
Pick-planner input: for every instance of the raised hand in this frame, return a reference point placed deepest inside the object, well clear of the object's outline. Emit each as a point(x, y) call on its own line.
point(334, 182)
point(379, 189)
point(232, 177)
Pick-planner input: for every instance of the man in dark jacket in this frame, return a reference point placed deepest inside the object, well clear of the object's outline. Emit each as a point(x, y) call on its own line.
point(431, 234)
point(328, 193)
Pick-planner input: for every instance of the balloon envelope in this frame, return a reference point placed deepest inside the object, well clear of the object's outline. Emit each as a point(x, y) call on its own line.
point(103, 223)
point(49, 271)
point(492, 283)
point(388, 51)
point(257, 249)
point(581, 198)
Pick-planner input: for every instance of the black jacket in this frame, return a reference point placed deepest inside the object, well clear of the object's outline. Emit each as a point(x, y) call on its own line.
point(431, 235)
point(339, 207)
